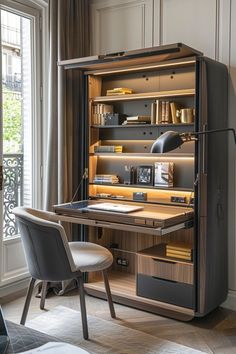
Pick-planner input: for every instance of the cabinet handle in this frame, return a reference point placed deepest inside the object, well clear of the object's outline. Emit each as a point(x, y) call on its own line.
point(164, 260)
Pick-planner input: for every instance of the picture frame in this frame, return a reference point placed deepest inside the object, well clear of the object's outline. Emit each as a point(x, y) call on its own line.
point(145, 175)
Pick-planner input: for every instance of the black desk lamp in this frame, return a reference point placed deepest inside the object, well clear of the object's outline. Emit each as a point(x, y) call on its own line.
point(170, 140)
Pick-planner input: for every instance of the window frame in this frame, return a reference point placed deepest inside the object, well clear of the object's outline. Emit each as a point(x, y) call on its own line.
point(36, 10)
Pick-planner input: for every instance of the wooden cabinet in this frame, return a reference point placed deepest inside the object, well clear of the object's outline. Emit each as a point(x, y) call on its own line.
point(193, 210)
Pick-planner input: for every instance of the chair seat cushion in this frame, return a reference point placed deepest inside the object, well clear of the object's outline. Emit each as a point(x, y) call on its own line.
point(89, 256)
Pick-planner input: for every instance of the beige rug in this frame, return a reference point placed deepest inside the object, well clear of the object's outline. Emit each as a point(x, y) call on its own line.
point(105, 336)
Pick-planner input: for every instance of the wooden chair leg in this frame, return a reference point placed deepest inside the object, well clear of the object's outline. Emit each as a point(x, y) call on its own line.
point(108, 292)
point(43, 294)
point(27, 301)
point(83, 307)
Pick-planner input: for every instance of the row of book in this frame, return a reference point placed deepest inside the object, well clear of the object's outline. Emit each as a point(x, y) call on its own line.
point(181, 250)
point(99, 111)
point(113, 179)
point(164, 112)
point(108, 148)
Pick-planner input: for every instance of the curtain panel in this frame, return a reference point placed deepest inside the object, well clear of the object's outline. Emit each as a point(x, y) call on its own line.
point(68, 38)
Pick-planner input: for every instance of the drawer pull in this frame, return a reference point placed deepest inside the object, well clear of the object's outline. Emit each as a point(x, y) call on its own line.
point(164, 261)
point(171, 281)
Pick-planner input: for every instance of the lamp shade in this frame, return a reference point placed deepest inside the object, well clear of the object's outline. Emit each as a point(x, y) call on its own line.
point(168, 141)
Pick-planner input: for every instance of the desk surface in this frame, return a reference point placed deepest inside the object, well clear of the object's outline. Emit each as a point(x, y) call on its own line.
point(151, 217)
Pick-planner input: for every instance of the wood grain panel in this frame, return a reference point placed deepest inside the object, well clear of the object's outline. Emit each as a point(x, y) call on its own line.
point(165, 269)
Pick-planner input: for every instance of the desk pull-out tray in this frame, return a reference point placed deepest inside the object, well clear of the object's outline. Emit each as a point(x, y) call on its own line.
point(156, 220)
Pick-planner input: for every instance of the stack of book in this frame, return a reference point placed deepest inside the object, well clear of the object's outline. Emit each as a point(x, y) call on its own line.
point(108, 148)
point(113, 179)
point(182, 250)
point(163, 112)
point(99, 110)
point(137, 120)
point(119, 91)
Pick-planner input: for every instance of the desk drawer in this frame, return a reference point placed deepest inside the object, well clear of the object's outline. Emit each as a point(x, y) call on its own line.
point(165, 269)
point(179, 294)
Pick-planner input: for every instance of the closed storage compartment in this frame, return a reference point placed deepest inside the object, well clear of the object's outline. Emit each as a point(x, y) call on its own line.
point(165, 269)
point(172, 292)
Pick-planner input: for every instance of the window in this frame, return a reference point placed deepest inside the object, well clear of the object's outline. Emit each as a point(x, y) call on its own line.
point(20, 132)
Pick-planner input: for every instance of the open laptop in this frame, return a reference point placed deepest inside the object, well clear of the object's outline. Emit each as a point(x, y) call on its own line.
point(119, 208)
point(4, 338)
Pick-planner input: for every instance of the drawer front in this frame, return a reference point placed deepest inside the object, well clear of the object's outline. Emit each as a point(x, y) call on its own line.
point(165, 269)
point(174, 293)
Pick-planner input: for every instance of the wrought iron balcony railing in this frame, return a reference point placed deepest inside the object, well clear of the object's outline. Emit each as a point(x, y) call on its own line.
point(12, 191)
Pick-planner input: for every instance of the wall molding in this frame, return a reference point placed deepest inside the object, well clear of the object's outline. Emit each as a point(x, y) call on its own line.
point(97, 8)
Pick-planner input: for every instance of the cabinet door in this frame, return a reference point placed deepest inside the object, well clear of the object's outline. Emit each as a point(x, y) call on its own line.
point(187, 21)
point(121, 25)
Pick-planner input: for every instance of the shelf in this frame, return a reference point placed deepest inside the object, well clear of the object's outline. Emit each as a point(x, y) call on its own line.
point(143, 186)
point(158, 252)
point(145, 96)
point(123, 289)
point(144, 154)
point(143, 125)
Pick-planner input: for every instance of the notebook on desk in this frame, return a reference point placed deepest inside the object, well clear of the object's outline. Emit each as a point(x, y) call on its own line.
point(119, 208)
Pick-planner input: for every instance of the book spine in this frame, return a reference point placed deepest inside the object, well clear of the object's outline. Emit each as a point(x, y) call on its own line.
point(153, 113)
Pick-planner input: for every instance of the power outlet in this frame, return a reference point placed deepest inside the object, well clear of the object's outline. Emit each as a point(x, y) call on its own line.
point(175, 199)
point(122, 261)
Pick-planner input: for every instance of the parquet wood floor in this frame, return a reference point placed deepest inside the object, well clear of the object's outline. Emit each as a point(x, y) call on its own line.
point(215, 333)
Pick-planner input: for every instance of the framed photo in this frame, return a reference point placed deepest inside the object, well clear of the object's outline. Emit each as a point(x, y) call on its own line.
point(145, 174)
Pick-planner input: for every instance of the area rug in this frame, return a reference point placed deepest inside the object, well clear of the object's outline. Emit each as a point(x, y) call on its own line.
point(106, 337)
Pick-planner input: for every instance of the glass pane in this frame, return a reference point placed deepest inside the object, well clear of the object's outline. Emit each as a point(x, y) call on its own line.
point(17, 110)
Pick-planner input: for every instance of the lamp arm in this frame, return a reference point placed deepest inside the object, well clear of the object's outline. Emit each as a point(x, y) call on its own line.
point(188, 135)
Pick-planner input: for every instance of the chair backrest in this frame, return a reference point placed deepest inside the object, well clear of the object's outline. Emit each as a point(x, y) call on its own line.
point(45, 244)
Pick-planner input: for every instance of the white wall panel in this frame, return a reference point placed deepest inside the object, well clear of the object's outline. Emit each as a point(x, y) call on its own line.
point(191, 22)
point(14, 264)
point(121, 25)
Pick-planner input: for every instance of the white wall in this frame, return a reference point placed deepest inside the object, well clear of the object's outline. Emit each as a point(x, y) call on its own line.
point(208, 26)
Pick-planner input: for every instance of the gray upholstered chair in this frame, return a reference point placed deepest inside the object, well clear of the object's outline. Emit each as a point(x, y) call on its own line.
point(50, 257)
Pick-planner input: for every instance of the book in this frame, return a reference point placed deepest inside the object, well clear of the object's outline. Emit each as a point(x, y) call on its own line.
point(158, 111)
point(163, 174)
point(179, 245)
point(174, 107)
point(187, 253)
point(108, 148)
point(138, 118)
point(119, 91)
point(179, 256)
point(153, 113)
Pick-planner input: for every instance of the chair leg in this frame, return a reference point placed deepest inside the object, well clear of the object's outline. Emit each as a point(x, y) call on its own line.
point(27, 301)
point(43, 294)
point(83, 307)
point(108, 291)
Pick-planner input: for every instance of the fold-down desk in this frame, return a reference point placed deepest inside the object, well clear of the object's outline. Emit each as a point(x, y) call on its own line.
point(151, 219)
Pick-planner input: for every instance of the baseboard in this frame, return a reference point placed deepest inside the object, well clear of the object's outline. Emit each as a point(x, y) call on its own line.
point(14, 290)
point(230, 302)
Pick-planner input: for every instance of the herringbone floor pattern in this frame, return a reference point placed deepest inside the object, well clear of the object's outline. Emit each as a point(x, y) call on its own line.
point(216, 333)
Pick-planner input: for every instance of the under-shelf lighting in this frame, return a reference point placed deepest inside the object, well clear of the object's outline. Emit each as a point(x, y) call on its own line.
point(145, 67)
point(155, 157)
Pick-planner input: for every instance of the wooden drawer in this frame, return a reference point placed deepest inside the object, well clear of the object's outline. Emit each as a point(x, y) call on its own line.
point(165, 269)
